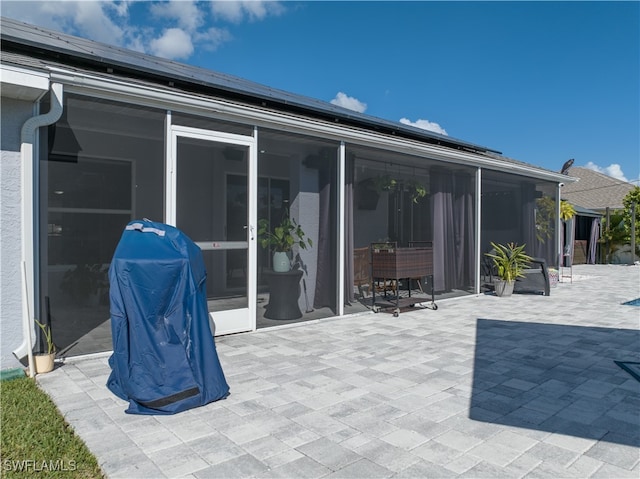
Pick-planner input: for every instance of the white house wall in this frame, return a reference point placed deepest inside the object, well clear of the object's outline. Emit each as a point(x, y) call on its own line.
point(14, 114)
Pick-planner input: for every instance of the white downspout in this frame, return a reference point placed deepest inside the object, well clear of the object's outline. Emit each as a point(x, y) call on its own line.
point(27, 159)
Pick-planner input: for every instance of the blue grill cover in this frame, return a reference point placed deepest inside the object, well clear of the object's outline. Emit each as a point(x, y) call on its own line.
point(164, 357)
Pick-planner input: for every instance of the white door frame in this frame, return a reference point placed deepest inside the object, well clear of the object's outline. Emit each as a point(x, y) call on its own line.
point(237, 320)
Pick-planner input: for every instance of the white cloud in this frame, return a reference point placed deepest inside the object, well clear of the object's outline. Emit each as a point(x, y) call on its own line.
point(212, 38)
point(87, 19)
point(92, 19)
point(174, 43)
point(349, 102)
point(425, 125)
point(188, 23)
point(237, 11)
point(614, 170)
point(185, 12)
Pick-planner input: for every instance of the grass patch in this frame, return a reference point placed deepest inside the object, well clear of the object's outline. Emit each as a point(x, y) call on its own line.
point(36, 440)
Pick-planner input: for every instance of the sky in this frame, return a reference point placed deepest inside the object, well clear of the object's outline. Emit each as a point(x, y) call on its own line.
point(542, 82)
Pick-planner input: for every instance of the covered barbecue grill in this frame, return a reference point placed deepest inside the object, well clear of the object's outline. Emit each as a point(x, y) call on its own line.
point(164, 358)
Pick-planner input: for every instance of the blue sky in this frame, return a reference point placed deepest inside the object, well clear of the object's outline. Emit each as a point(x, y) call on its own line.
point(540, 81)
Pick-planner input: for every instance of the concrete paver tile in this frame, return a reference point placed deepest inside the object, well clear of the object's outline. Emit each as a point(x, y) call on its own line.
point(548, 470)
point(487, 470)
point(303, 468)
point(424, 469)
point(242, 466)
point(616, 454)
point(387, 455)
point(585, 466)
point(284, 457)
point(609, 471)
point(458, 440)
point(462, 464)
point(178, 461)
point(362, 469)
point(215, 448)
point(572, 443)
point(265, 447)
point(436, 453)
point(495, 453)
point(551, 454)
point(404, 439)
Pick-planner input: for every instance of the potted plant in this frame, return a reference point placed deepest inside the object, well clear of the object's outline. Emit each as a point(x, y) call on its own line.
point(44, 361)
point(416, 190)
point(510, 261)
point(282, 239)
point(369, 189)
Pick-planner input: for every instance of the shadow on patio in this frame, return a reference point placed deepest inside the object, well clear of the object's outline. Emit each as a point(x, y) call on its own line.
point(557, 378)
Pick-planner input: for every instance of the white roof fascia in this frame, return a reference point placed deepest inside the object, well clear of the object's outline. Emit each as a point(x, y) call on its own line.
point(161, 97)
point(22, 83)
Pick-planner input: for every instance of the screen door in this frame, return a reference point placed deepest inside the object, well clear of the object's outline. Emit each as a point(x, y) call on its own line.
point(211, 188)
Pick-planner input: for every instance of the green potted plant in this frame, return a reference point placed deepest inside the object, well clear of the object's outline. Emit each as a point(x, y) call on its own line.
point(368, 191)
point(510, 261)
point(282, 239)
point(44, 361)
point(416, 190)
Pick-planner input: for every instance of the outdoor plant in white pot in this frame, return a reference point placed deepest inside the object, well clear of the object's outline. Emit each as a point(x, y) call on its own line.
point(44, 361)
point(282, 239)
point(510, 261)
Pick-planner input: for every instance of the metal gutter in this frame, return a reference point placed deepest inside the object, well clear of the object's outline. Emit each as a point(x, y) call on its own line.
point(145, 95)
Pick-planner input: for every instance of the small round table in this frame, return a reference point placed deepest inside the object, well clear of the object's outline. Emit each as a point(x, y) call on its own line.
point(284, 290)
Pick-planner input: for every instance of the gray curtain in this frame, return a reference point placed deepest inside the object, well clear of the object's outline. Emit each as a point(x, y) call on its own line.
point(465, 231)
point(528, 218)
point(593, 241)
point(570, 234)
point(452, 208)
point(326, 270)
point(443, 230)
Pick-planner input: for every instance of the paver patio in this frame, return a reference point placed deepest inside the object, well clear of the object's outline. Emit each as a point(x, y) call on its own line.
point(524, 386)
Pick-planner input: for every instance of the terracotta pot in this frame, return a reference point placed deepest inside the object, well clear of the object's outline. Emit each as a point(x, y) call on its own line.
point(44, 362)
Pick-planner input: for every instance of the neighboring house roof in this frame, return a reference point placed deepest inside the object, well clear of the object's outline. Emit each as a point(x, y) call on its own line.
point(595, 190)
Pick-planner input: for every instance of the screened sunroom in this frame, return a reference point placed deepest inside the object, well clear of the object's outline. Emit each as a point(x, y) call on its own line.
point(131, 137)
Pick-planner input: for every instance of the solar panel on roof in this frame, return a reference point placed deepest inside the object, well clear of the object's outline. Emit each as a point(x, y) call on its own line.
point(59, 43)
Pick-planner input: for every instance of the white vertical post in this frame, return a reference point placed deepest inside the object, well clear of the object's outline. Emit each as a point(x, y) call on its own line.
point(478, 226)
point(169, 159)
point(341, 217)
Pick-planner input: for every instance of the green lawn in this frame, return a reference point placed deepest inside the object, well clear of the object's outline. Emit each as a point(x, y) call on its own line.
point(36, 440)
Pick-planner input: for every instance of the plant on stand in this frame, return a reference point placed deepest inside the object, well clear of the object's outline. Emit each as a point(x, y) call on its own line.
point(510, 261)
point(282, 239)
point(44, 361)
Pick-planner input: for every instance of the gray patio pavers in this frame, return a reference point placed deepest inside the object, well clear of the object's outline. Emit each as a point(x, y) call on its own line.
point(483, 387)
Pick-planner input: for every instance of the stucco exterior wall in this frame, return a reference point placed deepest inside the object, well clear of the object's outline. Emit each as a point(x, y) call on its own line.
point(14, 114)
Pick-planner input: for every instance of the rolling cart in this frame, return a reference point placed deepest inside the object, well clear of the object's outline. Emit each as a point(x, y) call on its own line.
point(391, 264)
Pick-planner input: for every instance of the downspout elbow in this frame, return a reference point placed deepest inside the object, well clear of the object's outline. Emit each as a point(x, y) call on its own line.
point(27, 158)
